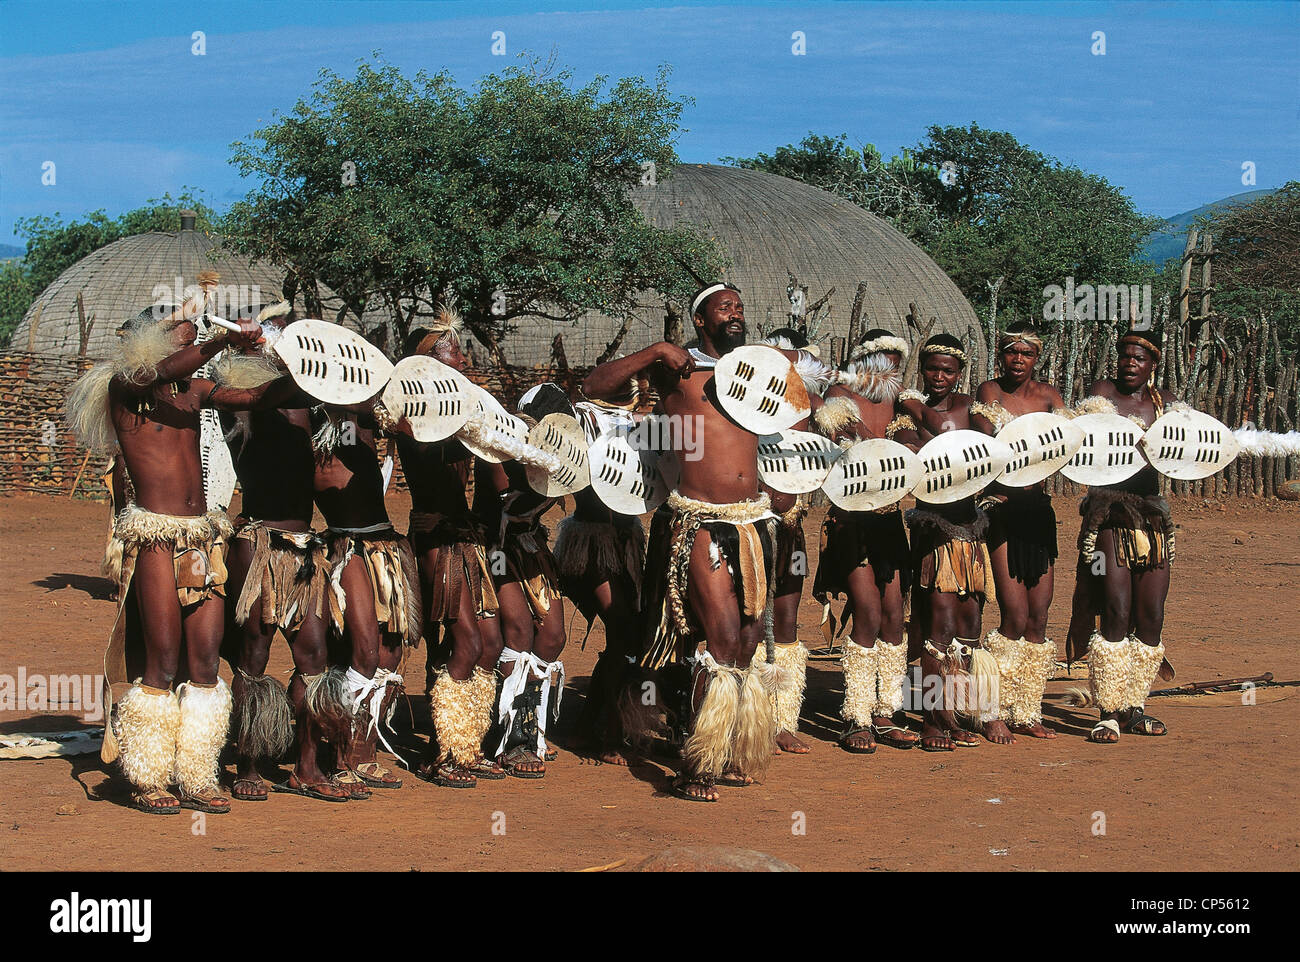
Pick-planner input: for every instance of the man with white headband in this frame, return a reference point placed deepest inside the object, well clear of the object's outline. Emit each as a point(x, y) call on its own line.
point(864, 554)
point(1022, 544)
point(708, 560)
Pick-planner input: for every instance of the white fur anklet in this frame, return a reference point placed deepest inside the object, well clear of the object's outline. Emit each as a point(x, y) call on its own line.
point(1036, 663)
point(205, 722)
point(1109, 672)
point(146, 722)
point(891, 674)
point(860, 670)
point(454, 706)
point(708, 749)
point(1145, 660)
point(792, 660)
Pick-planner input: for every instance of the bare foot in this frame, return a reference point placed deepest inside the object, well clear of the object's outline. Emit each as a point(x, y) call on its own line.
point(997, 732)
point(791, 743)
point(1034, 731)
point(859, 742)
point(935, 739)
point(613, 756)
point(694, 789)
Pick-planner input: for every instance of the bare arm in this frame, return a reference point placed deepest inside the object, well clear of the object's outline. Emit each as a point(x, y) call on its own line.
point(610, 379)
point(979, 422)
point(281, 392)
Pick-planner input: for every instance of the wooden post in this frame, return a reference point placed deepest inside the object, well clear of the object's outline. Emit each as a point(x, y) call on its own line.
point(994, 287)
point(855, 315)
point(1185, 282)
point(83, 326)
point(31, 330)
point(1207, 254)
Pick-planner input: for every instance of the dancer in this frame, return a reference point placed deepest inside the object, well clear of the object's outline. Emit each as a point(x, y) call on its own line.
point(600, 557)
point(789, 655)
point(708, 558)
point(172, 552)
point(1126, 549)
point(451, 551)
point(372, 565)
point(864, 554)
point(530, 620)
point(1021, 541)
point(279, 574)
point(949, 570)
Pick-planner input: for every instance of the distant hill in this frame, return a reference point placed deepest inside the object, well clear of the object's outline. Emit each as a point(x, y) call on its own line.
point(1170, 241)
point(9, 250)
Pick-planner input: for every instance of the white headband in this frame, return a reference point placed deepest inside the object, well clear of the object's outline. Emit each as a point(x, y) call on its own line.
point(703, 295)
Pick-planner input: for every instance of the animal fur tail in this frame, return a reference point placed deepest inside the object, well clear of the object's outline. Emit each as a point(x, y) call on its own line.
point(1079, 698)
point(263, 718)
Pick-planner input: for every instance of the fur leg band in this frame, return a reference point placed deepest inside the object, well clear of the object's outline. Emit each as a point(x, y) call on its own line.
point(324, 703)
point(708, 747)
point(147, 721)
point(789, 696)
point(1036, 664)
point(860, 670)
point(983, 699)
point(755, 738)
point(1144, 661)
point(205, 722)
point(1109, 669)
point(485, 693)
point(455, 706)
point(891, 673)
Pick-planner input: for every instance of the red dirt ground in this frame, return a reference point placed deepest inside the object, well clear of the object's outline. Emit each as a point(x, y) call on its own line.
point(1217, 793)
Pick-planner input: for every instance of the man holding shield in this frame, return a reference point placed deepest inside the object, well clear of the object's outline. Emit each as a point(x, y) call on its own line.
point(450, 546)
point(709, 556)
point(864, 554)
point(949, 568)
point(173, 549)
point(1022, 543)
point(1126, 548)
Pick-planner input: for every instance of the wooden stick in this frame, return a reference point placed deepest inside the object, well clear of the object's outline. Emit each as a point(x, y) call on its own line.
point(77, 480)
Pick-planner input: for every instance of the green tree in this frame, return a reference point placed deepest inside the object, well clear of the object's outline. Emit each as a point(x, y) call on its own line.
point(509, 200)
point(984, 206)
point(898, 190)
point(54, 245)
point(16, 296)
point(1257, 269)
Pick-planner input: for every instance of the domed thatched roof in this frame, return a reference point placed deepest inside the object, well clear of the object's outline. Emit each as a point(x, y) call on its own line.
point(122, 278)
point(771, 227)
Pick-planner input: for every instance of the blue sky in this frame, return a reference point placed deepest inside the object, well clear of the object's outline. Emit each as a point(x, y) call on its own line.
point(1184, 95)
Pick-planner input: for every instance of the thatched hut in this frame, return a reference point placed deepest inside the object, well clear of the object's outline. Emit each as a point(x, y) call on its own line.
point(771, 227)
point(124, 277)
